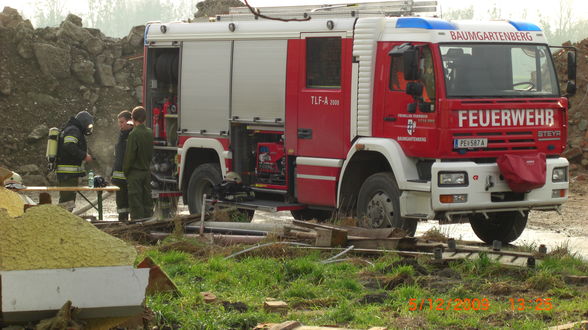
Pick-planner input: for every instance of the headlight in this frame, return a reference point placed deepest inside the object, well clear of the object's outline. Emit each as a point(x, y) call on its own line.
point(560, 174)
point(453, 179)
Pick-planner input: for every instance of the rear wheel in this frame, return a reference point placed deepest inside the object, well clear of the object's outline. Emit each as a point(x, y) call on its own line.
point(379, 203)
point(201, 182)
point(500, 226)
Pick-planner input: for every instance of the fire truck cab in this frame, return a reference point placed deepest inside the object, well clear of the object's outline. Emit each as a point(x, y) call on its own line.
point(361, 110)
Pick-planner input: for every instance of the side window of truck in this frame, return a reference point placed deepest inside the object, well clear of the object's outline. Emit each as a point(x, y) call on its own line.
point(323, 62)
point(397, 82)
point(427, 74)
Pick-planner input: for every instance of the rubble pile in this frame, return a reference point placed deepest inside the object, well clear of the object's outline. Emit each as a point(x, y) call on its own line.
point(577, 151)
point(48, 237)
point(49, 74)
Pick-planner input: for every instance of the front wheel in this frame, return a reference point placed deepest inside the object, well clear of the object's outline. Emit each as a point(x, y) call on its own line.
point(500, 226)
point(379, 203)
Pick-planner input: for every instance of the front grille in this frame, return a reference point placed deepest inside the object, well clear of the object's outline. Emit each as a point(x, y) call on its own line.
point(503, 141)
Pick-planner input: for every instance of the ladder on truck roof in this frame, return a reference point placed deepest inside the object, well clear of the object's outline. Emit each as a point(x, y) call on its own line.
point(393, 8)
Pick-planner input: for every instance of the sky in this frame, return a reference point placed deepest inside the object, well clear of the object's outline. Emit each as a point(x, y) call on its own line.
point(514, 9)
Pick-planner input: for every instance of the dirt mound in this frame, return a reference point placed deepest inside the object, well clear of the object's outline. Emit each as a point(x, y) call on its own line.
point(49, 74)
point(577, 151)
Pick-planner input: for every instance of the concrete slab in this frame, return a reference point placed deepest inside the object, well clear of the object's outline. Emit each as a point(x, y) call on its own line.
point(28, 295)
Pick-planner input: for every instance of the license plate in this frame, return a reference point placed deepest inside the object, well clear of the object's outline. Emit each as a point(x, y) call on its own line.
point(469, 143)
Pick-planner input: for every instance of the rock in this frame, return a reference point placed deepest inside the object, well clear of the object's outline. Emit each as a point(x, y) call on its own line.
point(139, 94)
point(93, 45)
point(84, 71)
point(572, 153)
point(25, 49)
point(104, 75)
point(72, 31)
point(74, 19)
point(38, 133)
point(119, 64)
point(583, 124)
point(53, 61)
point(10, 17)
point(122, 78)
point(42, 99)
point(135, 36)
point(24, 30)
point(28, 169)
point(48, 33)
point(584, 162)
point(5, 86)
point(34, 180)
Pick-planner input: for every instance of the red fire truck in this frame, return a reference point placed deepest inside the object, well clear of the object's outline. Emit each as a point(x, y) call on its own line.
point(364, 110)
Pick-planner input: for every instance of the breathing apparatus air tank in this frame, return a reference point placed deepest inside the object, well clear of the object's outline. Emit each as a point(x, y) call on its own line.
point(52, 146)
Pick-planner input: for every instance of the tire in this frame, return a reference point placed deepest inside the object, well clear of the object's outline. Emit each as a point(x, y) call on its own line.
point(379, 202)
point(500, 226)
point(310, 214)
point(201, 182)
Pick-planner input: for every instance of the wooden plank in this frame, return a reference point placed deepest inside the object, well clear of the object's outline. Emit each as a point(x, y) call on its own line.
point(79, 188)
point(330, 237)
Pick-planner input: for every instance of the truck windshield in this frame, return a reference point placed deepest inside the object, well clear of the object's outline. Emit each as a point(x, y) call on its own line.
point(498, 70)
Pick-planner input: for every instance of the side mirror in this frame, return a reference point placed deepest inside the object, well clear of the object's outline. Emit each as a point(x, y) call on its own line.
point(572, 66)
point(414, 89)
point(571, 88)
point(411, 64)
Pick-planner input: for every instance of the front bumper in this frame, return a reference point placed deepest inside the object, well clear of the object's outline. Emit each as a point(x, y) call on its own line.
point(487, 192)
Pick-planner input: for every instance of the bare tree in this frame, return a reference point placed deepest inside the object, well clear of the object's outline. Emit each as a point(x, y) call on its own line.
point(49, 12)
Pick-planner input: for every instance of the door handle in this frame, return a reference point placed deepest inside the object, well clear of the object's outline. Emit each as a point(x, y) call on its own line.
point(389, 118)
point(305, 133)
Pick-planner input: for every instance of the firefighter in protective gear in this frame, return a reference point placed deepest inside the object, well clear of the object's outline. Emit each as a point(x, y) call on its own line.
point(72, 151)
point(118, 176)
point(13, 181)
point(136, 166)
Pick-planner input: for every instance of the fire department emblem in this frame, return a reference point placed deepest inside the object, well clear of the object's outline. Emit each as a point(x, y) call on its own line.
point(411, 126)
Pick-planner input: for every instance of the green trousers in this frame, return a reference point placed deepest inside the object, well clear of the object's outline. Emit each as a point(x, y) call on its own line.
point(66, 196)
point(139, 191)
point(122, 199)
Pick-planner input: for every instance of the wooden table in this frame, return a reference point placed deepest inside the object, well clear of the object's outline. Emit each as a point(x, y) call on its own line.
point(79, 190)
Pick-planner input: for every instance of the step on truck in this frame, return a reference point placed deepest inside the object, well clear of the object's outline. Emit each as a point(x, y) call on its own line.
point(370, 110)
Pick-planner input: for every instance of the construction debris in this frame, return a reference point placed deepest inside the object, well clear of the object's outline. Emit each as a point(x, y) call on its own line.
point(275, 306)
point(208, 297)
point(159, 281)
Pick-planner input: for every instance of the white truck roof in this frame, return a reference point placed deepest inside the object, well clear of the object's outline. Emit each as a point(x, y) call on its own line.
point(423, 29)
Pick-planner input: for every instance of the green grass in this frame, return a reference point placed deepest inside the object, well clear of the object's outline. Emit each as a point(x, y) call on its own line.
point(335, 294)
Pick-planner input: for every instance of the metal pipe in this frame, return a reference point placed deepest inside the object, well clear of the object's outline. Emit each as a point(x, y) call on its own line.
point(89, 206)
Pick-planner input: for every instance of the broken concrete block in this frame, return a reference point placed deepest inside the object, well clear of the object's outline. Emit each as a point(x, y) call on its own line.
point(275, 306)
point(209, 297)
point(288, 325)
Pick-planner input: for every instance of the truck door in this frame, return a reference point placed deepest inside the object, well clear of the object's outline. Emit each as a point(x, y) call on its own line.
point(415, 131)
point(324, 97)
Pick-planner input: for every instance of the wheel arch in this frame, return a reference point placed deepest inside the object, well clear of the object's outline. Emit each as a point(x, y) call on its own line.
point(368, 156)
point(198, 151)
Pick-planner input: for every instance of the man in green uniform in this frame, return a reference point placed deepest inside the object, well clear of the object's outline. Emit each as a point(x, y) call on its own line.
point(72, 151)
point(136, 166)
point(118, 176)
